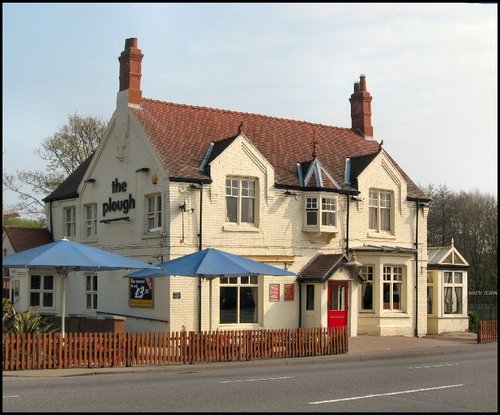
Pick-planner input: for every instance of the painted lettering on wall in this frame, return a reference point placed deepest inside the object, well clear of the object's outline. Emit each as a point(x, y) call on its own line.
point(118, 205)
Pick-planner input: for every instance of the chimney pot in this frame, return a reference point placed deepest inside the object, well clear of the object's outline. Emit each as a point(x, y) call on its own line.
point(131, 43)
point(362, 83)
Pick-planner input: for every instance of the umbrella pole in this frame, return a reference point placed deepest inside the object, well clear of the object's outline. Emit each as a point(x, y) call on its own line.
point(199, 305)
point(210, 311)
point(63, 304)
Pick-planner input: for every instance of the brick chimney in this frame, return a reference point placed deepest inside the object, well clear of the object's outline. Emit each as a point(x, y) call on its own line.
point(361, 108)
point(130, 70)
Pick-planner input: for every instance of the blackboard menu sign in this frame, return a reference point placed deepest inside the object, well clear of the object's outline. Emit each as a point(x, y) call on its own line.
point(141, 292)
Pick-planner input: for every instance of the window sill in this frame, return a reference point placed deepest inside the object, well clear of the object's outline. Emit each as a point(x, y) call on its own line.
point(155, 235)
point(381, 235)
point(240, 326)
point(234, 227)
point(395, 313)
point(320, 229)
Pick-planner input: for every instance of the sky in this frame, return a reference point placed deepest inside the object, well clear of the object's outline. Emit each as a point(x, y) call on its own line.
point(430, 68)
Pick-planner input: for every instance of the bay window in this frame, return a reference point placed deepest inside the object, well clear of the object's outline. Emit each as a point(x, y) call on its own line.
point(392, 287)
point(453, 292)
point(320, 213)
point(367, 289)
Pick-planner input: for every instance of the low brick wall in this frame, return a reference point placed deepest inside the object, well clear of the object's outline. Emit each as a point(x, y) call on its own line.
point(83, 324)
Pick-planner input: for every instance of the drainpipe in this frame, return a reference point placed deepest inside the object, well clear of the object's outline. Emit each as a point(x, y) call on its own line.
point(348, 195)
point(300, 305)
point(416, 269)
point(51, 223)
point(200, 247)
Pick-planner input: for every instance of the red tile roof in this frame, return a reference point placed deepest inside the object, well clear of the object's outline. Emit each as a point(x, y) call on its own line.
point(181, 135)
point(322, 267)
point(26, 238)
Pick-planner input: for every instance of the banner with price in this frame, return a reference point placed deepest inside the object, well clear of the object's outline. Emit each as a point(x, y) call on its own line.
point(141, 292)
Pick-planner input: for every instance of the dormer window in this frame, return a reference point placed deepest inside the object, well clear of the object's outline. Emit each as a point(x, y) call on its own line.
point(320, 213)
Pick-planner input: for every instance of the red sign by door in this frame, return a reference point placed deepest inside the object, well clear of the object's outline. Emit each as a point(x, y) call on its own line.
point(337, 303)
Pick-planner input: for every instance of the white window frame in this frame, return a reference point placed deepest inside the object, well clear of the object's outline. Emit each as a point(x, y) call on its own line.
point(239, 283)
point(91, 292)
point(380, 204)
point(153, 211)
point(451, 286)
point(90, 220)
point(243, 192)
point(393, 277)
point(42, 290)
point(70, 221)
point(430, 292)
point(316, 208)
point(367, 272)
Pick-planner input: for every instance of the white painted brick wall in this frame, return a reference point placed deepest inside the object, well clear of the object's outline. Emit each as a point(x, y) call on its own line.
point(279, 233)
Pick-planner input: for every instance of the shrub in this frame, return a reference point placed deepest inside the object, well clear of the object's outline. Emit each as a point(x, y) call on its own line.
point(15, 322)
point(473, 320)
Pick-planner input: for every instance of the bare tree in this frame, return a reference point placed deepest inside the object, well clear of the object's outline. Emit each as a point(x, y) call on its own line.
point(471, 219)
point(64, 151)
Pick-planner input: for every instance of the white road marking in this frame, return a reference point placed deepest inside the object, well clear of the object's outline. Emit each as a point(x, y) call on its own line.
point(386, 394)
point(11, 396)
point(429, 367)
point(257, 380)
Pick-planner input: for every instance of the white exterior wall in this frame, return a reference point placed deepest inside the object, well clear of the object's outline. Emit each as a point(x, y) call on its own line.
point(381, 175)
point(278, 233)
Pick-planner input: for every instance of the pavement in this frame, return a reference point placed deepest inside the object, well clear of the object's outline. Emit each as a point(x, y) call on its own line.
point(360, 348)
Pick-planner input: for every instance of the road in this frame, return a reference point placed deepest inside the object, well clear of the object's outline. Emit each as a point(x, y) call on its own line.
point(464, 382)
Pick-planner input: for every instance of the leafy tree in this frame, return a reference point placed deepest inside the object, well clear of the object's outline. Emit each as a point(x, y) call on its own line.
point(24, 223)
point(64, 151)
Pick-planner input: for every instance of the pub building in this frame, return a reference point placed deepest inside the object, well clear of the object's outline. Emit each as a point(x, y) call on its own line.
point(327, 203)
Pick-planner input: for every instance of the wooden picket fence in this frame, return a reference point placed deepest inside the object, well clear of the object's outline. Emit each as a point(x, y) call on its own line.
point(97, 350)
point(487, 331)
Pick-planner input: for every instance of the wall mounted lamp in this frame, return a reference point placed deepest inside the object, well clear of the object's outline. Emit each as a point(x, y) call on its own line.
point(154, 178)
point(143, 169)
point(354, 268)
point(184, 208)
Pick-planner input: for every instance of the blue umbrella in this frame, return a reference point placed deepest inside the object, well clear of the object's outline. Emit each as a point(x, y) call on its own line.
point(210, 263)
point(66, 256)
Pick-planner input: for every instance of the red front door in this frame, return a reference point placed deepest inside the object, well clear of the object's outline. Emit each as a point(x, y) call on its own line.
point(337, 303)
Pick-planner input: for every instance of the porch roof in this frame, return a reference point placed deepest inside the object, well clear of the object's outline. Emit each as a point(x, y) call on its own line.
point(321, 268)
